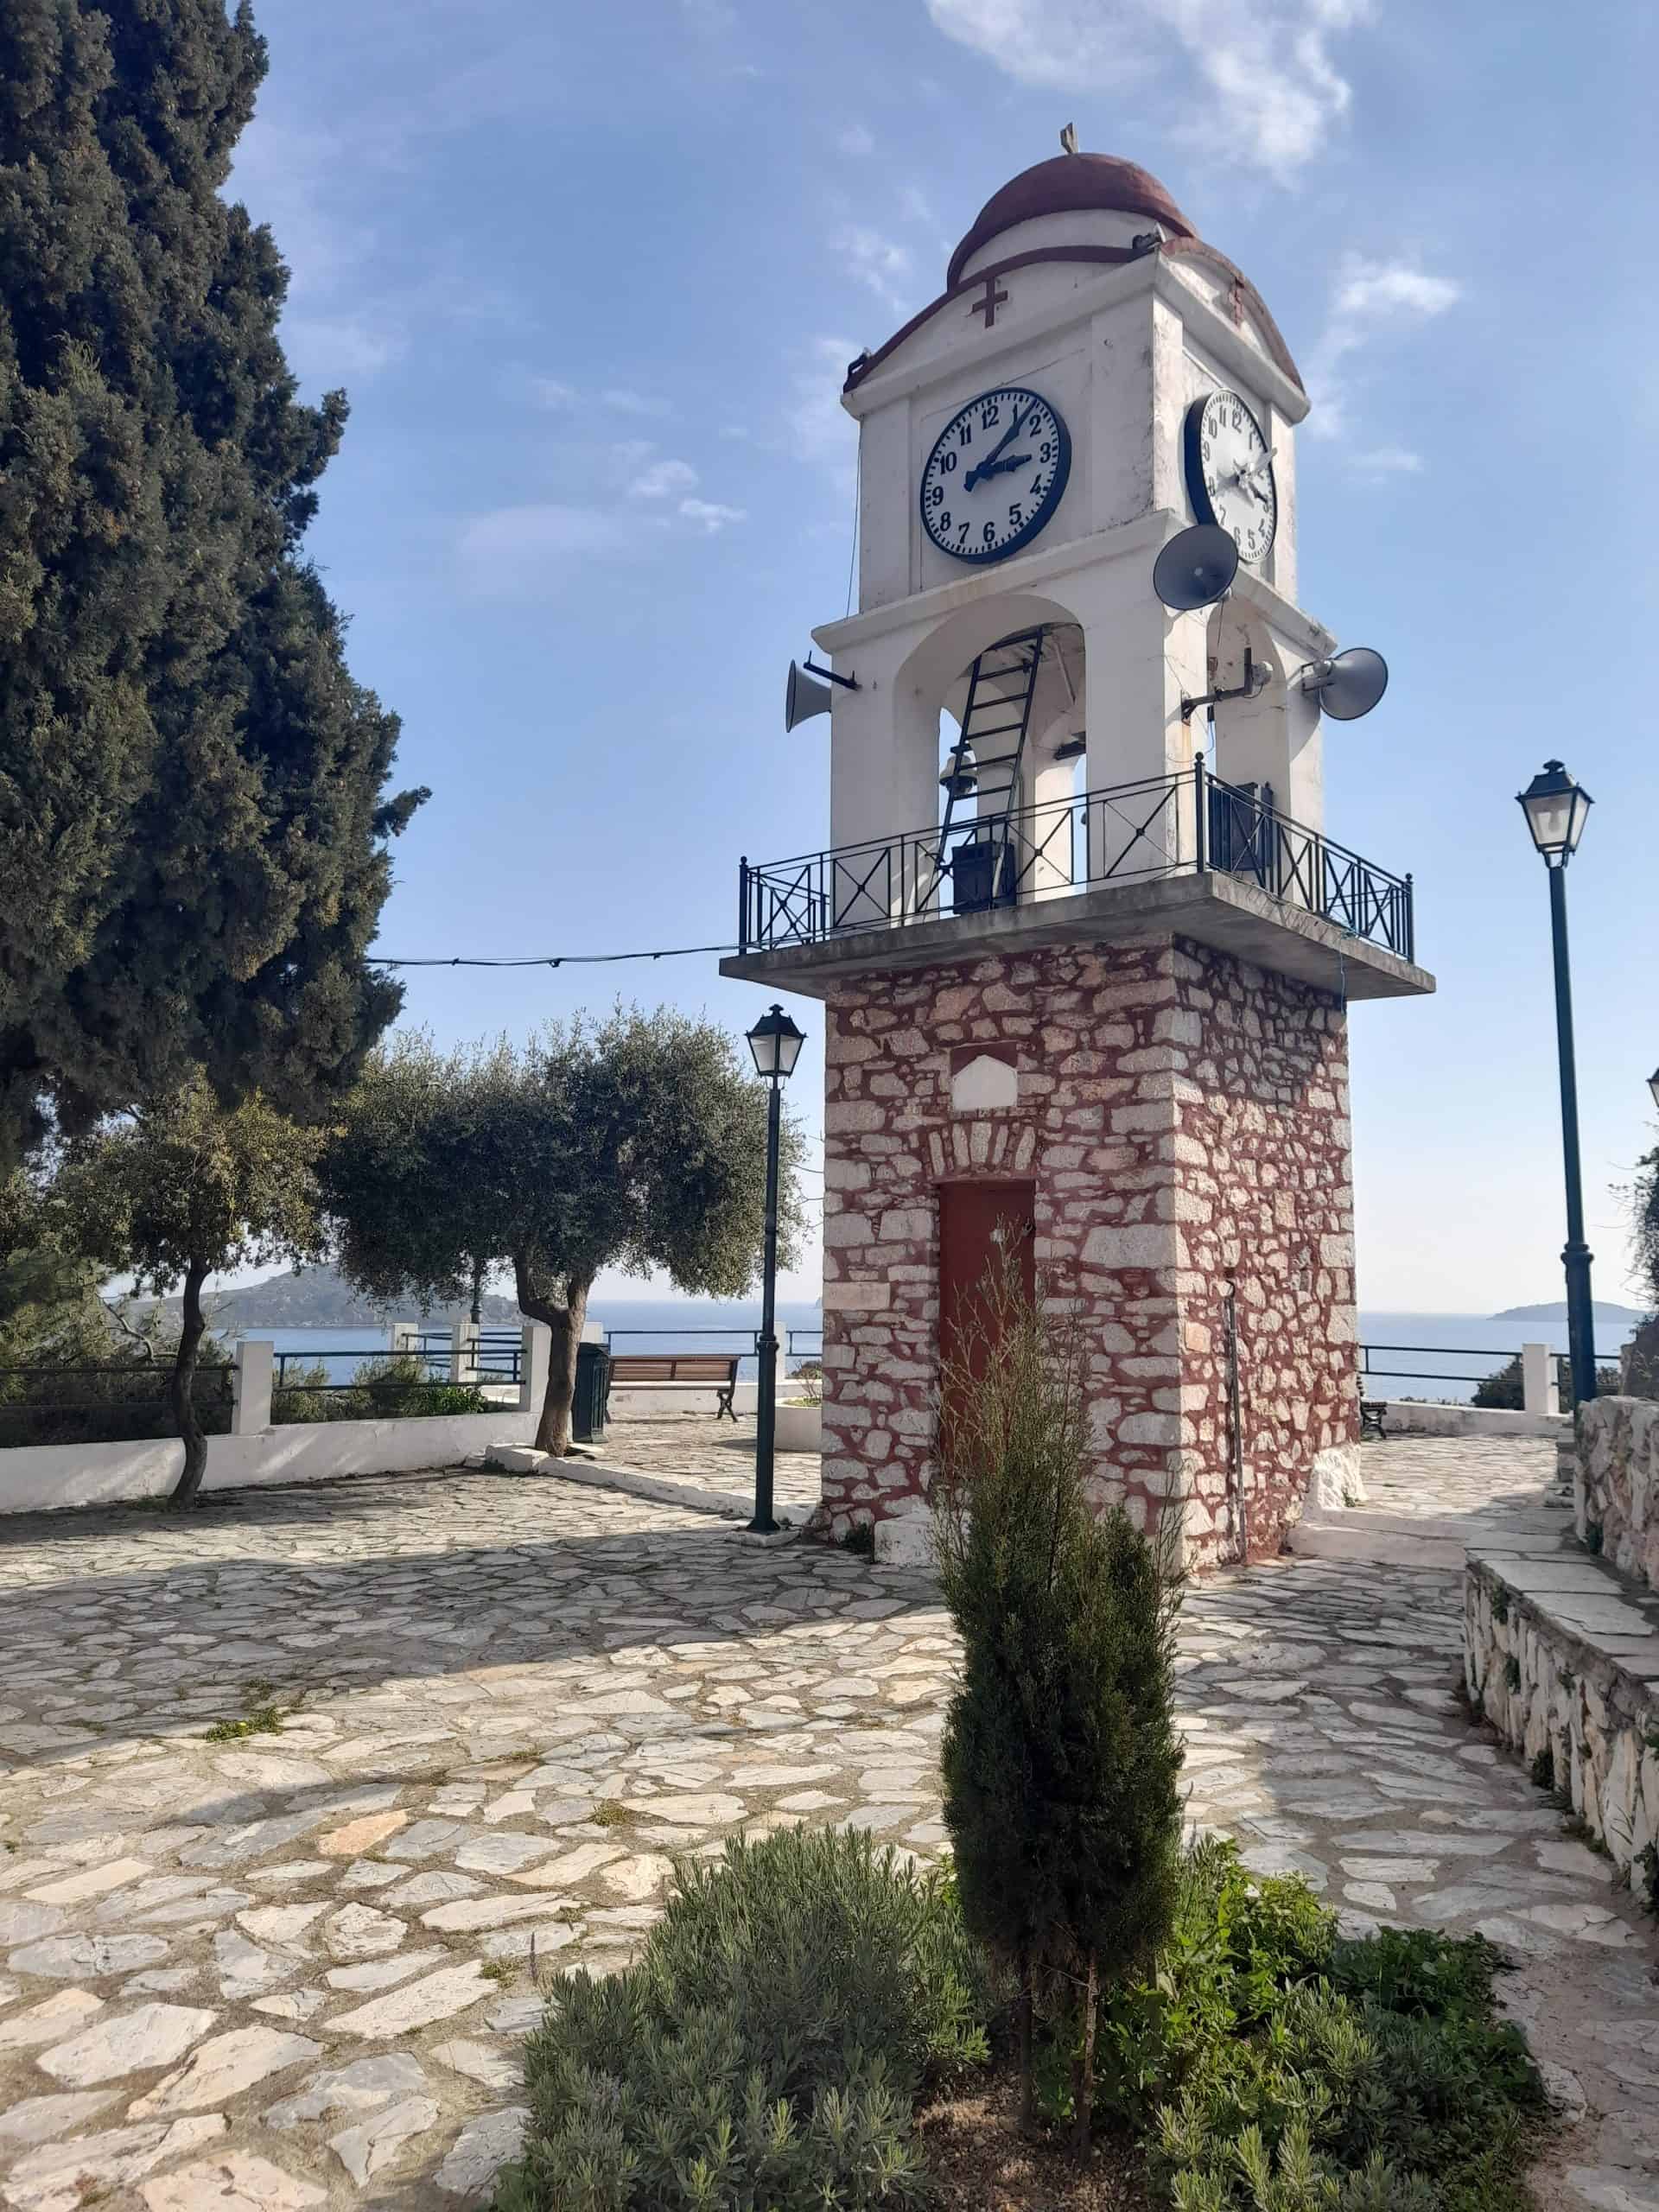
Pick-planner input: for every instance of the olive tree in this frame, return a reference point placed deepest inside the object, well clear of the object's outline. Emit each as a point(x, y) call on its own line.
point(181, 1190)
point(637, 1143)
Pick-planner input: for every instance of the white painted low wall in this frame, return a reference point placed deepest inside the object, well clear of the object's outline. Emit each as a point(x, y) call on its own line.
point(44, 1477)
point(38, 1477)
point(1410, 1417)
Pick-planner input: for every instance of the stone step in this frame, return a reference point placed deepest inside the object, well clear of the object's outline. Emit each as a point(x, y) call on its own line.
point(1388, 1540)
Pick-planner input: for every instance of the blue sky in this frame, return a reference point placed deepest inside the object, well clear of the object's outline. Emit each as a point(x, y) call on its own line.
point(591, 276)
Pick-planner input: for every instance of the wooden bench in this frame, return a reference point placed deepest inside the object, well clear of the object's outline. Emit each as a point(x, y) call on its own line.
point(1372, 1413)
point(664, 1368)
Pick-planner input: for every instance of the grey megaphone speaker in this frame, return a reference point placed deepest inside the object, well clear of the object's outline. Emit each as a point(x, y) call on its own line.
point(1195, 569)
point(1348, 685)
point(804, 697)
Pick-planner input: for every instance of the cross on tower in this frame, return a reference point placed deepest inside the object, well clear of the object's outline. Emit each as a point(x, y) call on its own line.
point(988, 307)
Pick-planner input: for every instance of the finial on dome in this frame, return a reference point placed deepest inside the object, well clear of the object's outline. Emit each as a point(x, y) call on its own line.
point(1068, 139)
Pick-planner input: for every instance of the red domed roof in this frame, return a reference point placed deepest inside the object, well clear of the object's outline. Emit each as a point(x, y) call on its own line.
point(1061, 187)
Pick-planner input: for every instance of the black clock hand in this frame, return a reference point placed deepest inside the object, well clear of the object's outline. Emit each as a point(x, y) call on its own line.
point(1000, 467)
point(987, 467)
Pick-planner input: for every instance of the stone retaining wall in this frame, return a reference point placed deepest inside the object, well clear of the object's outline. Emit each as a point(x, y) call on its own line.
point(1616, 1490)
point(1562, 1657)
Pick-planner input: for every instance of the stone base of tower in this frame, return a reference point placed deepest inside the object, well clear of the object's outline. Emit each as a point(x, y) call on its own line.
point(1177, 1123)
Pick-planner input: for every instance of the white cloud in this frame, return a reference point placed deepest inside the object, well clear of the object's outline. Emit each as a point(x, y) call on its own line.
point(881, 263)
point(818, 423)
point(1368, 299)
point(710, 18)
point(1387, 460)
point(710, 514)
point(551, 393)
point(514, 551)
point(1373, 290)
point(326, 347)
point(855, 142)
point(1268, 90)
point(664, 479)
point(635, 403)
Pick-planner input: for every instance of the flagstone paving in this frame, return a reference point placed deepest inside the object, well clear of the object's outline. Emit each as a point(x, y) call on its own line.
point(714, 1455)
point(292, 1968)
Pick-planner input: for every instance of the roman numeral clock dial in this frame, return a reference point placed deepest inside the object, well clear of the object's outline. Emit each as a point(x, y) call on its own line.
point(995, 475)
point(1230, 473)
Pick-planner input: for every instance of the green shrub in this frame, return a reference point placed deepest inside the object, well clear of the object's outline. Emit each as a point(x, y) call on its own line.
point(109, 1392)
point(1060, 1753)
point(767, 2049)
point(1273, 2066)
point(1503, 1388)
point(392, 1387)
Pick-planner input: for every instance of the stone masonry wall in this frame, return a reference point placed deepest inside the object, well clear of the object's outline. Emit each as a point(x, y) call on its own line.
point(1185, 1118)
point(1615, 1483)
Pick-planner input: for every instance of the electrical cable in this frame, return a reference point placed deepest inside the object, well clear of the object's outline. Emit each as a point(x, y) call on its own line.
point(550, 959)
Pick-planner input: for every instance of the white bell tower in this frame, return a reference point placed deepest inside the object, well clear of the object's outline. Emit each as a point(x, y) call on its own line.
point(1087, 953)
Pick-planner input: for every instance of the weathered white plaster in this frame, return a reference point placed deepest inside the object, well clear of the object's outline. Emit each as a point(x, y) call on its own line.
point(985, 1085)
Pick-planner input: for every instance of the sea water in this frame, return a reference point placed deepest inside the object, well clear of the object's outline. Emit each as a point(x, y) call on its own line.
point(1453, 1350)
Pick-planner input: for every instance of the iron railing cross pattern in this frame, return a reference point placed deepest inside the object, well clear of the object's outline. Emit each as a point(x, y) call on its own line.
point(1185, 825)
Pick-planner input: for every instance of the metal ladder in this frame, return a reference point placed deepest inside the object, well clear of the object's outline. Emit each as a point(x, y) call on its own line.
point(1001, 685)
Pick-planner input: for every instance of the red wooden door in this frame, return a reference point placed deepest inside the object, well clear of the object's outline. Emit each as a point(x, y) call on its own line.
point(978, 1222)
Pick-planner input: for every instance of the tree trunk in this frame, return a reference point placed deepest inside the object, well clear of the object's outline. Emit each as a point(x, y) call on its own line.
point(181, 1390)
point(1084, 2100)
point(1022, 2012)
point(564, 1324)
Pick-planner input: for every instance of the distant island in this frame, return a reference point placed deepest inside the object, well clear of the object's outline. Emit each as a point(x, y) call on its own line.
point(1615, 1317)
point(321, 1298)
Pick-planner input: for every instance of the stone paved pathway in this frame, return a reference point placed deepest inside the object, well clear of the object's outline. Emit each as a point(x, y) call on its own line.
point(293, 1969)
point(717, 1457)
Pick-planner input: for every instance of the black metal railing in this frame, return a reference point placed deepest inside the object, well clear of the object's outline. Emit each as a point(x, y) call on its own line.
point(1497, 1361)
point(1187, 825)
point(395, 1385)
point(105, 1401)
point(499, 1357)
point(796, 1345)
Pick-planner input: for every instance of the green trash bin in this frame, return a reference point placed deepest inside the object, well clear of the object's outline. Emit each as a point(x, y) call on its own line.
point(593, 1387)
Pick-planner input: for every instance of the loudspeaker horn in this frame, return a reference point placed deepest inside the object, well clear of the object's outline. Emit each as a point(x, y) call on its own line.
point(804, 697)
point(1196, 569)
point(1348, 685)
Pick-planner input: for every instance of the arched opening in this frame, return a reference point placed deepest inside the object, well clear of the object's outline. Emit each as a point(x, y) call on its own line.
point(1008, 710)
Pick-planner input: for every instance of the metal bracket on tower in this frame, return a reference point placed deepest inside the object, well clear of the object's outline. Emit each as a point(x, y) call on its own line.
point(1254, 684)
point(847, 683)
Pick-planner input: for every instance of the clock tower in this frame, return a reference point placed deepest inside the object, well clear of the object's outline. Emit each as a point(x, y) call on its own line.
point(1085, 950)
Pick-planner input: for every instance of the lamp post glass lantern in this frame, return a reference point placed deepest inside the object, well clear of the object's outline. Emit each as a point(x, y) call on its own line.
point(1653, 1085)
point(1556, 806)
point(776, 1044)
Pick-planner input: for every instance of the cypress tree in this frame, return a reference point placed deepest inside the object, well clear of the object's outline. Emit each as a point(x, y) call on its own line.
point(1060, 1754)
point(194, 810)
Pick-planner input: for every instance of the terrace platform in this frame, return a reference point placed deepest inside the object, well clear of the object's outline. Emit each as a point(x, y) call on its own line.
point(1211, 909)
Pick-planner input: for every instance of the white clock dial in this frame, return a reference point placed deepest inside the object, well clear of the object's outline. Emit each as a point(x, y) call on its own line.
point(1230, 473)
point(995, 475)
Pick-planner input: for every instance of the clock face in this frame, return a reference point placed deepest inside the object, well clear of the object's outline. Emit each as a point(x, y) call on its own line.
point(995, 475)
point(1230, 473)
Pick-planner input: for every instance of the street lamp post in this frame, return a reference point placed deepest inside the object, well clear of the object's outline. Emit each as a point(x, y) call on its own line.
point(1653, 1085)
point(776, 1044)
point(1556, 807)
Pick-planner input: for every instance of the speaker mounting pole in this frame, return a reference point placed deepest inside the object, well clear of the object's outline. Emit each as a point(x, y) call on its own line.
point(1256, 682)
point(810, 667)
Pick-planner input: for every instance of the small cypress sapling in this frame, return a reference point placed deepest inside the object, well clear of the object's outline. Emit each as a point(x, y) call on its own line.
point(1060, 1754)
